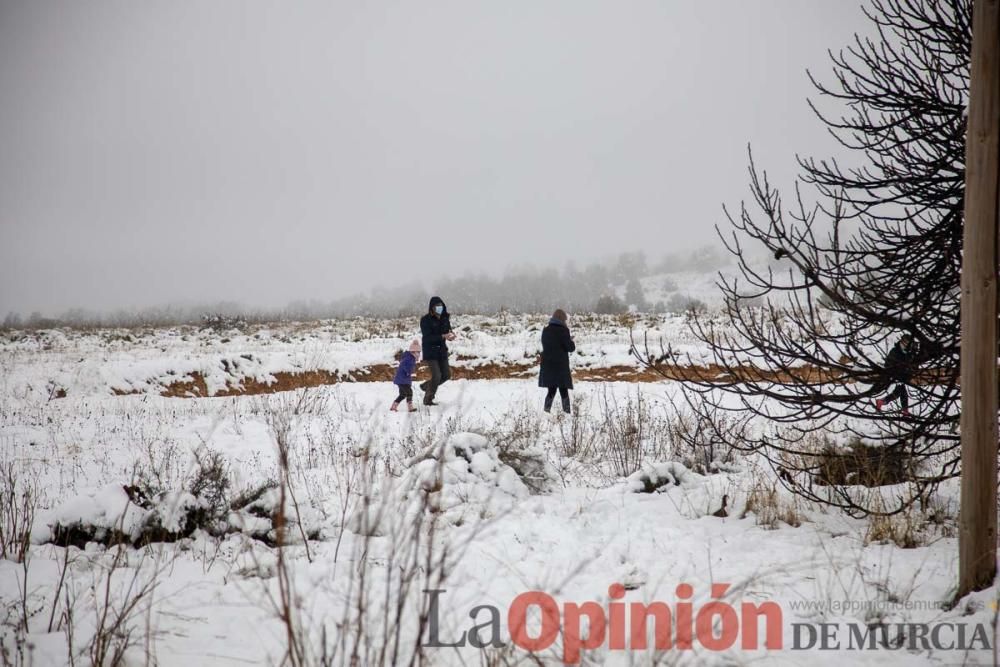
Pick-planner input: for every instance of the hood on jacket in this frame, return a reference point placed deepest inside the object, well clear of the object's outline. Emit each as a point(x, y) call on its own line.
point(436, 300)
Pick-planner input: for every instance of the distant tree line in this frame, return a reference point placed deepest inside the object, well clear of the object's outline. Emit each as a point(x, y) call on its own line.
point(608, 287)
point(594, 287)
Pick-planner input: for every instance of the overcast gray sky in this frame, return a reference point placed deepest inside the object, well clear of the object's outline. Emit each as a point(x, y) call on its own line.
point(155, 152)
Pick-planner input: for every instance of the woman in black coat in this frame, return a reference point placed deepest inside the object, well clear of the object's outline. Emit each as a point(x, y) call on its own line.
point(555, 373)
point(435, 331)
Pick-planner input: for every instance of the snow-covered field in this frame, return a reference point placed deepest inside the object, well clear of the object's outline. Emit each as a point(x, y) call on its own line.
point(99, 362)
point(484, 499)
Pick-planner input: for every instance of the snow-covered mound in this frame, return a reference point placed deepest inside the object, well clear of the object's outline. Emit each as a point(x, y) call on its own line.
point(467, 469)
point(109, 514)
point(463, 475)
point(119, 514)
point(660, 477)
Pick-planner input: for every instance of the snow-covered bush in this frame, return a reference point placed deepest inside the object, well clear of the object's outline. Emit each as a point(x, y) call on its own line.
point(258, 516)
point(466, 471)
point(703, 444)
point(210, 483)
point(117, 514)
point(517, 435)
point(659, 477)
point(463, 476)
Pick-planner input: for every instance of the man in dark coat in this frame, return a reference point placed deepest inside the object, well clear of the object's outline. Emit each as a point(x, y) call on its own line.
point(899, 365)
point(435, 331)
point(554, 373)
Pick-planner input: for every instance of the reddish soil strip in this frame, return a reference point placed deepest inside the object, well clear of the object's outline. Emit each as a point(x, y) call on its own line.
point(196, 387)
point(286, 381)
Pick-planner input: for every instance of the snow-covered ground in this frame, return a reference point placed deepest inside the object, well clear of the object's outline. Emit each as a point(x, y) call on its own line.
point(483, 498)
point(50, 363)
point(103, 362)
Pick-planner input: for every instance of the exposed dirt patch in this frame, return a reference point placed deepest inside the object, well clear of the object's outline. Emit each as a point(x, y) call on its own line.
point(195, 387)
point(488, 372)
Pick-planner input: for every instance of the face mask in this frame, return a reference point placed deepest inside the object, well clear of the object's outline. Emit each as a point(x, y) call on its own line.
point(438, 309)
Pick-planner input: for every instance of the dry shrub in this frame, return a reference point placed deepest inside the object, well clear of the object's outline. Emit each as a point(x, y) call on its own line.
point(899, 529)
point(382, 616)
point(630, 432)
point(703, 442)
point(860, 464)
point(18, 499)
point(119, 603)
point(913, 527)
point(210, 482)
point(769, 507)
point(577, 435)
point(101, 604)
point(516, 436)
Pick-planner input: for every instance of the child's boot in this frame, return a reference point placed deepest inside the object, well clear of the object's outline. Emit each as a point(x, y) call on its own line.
point(395, 404)
point(410, 406)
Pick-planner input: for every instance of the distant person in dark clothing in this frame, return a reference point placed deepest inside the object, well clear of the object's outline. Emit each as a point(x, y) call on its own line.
point(899, 366)
point(404, 377)
point(435, 330)
point(554, 373)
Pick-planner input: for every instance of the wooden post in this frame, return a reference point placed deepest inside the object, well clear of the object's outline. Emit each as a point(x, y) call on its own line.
point(977, 546)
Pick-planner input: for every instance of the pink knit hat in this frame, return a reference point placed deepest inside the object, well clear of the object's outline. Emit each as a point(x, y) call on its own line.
point(415, 346)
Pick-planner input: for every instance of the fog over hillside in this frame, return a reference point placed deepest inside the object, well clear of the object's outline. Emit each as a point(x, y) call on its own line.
point(637, 280)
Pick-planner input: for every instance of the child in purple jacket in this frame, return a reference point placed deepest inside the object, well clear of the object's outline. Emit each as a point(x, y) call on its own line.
point(404, 377)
